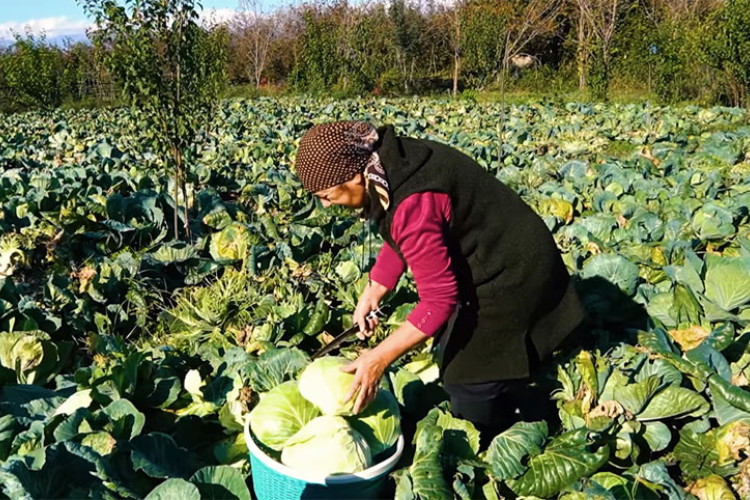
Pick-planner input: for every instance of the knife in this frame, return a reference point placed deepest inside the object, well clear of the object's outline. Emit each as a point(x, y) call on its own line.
point(342, 337)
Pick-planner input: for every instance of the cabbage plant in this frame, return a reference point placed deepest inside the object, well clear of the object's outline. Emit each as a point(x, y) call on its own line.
point(325, 385)
point(280, 413)
point(380, 422)
point(327, 445)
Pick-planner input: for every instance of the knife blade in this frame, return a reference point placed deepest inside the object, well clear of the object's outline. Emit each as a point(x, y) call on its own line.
point(342, 337)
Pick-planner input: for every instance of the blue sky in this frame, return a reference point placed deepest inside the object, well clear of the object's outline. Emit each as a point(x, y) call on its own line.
point(61, 18)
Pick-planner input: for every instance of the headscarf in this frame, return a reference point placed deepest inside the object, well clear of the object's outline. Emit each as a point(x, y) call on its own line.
point(330, 154)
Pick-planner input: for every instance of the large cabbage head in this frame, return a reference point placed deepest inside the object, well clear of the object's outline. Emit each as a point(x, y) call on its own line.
point(325, 385)
point(327, 445)
point(279, 414)
point(380, 422)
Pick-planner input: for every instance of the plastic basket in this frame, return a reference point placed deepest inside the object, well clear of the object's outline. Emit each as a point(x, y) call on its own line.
point(275, 481)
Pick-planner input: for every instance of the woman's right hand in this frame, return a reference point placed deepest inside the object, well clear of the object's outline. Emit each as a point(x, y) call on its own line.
point(368, 302)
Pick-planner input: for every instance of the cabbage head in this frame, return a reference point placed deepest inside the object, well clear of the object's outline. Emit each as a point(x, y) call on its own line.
point(327, 445)
point(279, 414)
point(380, 422)
point(32, 355)
point(233, 242)
point(325, 385)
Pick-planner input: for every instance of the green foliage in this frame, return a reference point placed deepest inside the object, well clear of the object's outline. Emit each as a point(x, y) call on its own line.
point(318, 66)
point(34, 74)
point(728, 46)
point(170, 69)
point(483, 26)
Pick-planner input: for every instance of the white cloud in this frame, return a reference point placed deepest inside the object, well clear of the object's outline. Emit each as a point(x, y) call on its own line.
point(217, 16)
point(52, 26)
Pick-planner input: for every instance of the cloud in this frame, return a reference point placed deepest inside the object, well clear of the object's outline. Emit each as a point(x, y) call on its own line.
point(53, 26)
point(64, 26)
point(217, 16)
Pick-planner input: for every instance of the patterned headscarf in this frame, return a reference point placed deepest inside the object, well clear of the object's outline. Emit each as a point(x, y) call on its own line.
point(330, 154)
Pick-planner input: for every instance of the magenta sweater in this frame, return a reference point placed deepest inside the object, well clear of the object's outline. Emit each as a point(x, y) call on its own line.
point(420, 228)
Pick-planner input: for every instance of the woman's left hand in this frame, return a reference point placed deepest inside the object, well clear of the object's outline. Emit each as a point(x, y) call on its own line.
point(368, 368)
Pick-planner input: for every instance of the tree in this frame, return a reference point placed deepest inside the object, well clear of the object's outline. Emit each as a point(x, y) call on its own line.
point(255, 31)
point(483, 26)
point(597, 21)
point(318, 63)
point(408, 25)
point(446, 31)
point(33, 72)
point(171, 71)
point(728, 47)
point(368, 44)
point(527, 22)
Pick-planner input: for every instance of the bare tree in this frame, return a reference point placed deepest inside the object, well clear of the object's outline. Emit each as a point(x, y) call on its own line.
point(535, 19)
point(256, 31)
point(683, 9)
point(597, 20)
point(445, 31)
point(583, 34)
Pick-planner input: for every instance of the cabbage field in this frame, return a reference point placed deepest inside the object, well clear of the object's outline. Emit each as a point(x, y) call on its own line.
point(130, 361)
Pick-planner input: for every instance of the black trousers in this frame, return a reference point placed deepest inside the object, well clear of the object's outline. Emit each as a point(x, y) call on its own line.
point(494, 406)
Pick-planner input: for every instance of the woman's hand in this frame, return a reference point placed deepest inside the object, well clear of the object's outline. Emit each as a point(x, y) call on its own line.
point(368, 302)
point(368, 369)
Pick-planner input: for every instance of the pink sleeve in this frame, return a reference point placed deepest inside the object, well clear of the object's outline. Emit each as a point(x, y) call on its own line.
point(419, 229)
point(388, 267)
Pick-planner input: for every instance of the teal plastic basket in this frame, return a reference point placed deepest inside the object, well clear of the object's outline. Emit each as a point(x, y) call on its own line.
point(275, 481)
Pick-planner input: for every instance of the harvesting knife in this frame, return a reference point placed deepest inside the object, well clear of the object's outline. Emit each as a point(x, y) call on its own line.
point(342, 337)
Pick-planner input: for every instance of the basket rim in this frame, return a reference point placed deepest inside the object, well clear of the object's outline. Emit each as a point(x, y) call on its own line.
point(370, 473)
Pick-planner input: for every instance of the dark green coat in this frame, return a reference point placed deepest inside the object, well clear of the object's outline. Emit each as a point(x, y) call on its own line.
point(518, 303)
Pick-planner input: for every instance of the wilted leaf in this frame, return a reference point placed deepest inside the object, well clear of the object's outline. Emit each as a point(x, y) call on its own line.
point(732, 440)
point(689, 338)
point(712, 487)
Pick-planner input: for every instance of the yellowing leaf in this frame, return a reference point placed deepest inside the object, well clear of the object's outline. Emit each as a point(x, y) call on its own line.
point(657, 256)
point(689, 338)
point(610, 409)
point(593, 248)
point(562, 209)
point(712, 487)
point(732, 439)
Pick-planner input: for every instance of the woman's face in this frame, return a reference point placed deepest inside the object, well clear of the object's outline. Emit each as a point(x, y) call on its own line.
point(350, 194)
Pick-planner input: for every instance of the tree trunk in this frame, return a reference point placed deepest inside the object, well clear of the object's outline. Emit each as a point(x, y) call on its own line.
point(456, 69)
point(581, 53)
point(176, 195)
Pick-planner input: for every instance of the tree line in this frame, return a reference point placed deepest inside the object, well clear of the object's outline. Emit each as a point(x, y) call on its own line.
point(674, 50)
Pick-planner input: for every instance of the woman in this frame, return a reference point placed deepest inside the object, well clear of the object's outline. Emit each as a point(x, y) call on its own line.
point(493, 289)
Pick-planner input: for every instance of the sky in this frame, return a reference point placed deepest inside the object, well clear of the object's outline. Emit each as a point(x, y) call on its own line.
point(65, 18)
